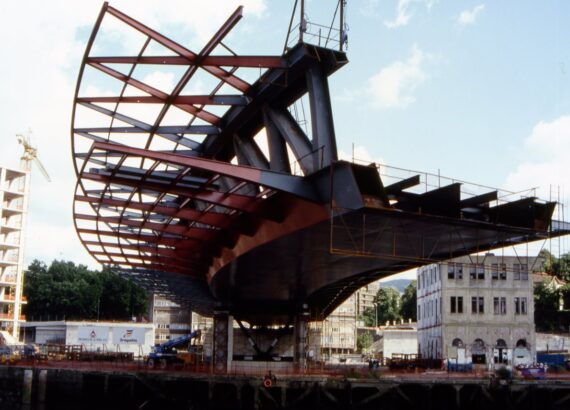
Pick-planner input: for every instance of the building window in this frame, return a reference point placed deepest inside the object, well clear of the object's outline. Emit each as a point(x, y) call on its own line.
point(459, 271)
point(521, 306)
point(480, 271)
point(419, 312)
point(451, 270)
point(524, 271)
point(520, 271)
point(477, 304)
point(494, 271)
point(456, 303)
point(503, 272)
point(500, 306)
point(472, 271)
point(516, 271)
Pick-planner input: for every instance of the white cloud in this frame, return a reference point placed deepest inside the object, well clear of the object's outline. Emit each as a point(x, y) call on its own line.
point(403, 15)
point(394, 86)
point(470, 16)
point(545, 159)
point(405, 11)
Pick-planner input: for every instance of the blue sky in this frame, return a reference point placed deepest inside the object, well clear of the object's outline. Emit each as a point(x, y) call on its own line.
point(477, 90)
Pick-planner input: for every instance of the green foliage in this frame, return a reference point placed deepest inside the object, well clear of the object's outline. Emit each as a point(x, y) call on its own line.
point(387, 304)
point(66, 290)
point(364, 341)
point(545, 298)
point(559, 267)
point(408, 308)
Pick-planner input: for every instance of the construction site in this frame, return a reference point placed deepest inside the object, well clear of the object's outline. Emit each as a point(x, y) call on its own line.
point(234, 205)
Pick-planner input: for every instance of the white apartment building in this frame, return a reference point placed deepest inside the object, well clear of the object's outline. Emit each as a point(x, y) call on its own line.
point(170, 319)
point(365, 297)
point(477, 309)
point(13, 210)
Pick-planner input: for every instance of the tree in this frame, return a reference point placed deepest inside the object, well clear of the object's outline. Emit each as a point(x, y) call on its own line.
point(408, 304)
point(364, 341)
point(546, 299)
point(559, 267)
point(386, 307)
point(65, 290)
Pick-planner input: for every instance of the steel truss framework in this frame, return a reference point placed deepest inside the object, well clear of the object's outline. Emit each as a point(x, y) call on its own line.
point(223, 197)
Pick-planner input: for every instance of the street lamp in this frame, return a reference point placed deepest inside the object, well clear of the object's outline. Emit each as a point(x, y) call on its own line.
point(375, 313)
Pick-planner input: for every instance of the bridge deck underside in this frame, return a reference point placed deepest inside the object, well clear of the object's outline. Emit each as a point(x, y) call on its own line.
point(325, 263)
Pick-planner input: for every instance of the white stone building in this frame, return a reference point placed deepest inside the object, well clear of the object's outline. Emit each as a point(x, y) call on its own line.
point(477, 309)
point(399, 339)
point(170, 319)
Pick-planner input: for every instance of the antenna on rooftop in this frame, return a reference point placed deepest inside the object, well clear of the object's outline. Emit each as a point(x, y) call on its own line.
point(31, 154)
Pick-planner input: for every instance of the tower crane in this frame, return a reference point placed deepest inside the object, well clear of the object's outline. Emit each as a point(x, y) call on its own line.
point(31, 154)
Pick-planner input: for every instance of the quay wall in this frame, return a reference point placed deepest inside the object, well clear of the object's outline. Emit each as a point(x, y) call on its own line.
point(36, 388)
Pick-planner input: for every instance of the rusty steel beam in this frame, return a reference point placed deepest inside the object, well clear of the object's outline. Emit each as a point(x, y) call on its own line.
point(155, 266)
point(188, 256)
point(202, 114)
point(214, 219)
point(233, 201)
point(222, 74)
point(199, 234)
point(179, 243)
point(231, 60)
point(169, 261)
point(181, 99)
point(271, 179)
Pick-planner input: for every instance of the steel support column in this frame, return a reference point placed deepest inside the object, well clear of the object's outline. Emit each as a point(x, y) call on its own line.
point(324, 141)
point(223, 341)
point(301, 329)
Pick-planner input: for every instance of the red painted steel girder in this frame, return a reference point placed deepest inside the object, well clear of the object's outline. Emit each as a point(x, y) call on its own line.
point(188, 256)
point(170, 261)
point(162, 96)
point(193, 233)
point(178, 101)
point(271, 179)
point(238, 202)
point(193, 58)
point(145, 238)
point(231, 60)
point(215, 219)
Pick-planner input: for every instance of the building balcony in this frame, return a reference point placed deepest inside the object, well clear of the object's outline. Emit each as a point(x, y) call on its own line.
point(10, 194)
point(10, 317)
point(6, 262)
point(8, 281)
point(9, 228)
point(12, 298)
point(7, 246)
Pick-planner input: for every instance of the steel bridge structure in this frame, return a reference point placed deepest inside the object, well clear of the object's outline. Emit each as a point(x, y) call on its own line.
point(221, 199)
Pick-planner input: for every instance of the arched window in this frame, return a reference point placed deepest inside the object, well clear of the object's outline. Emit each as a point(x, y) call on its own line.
point(478, 347)
point(501, 343)
point(521, 343)
point(478, 352)
point(457, 343)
